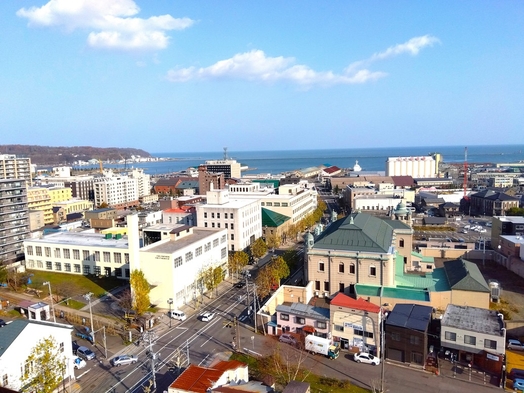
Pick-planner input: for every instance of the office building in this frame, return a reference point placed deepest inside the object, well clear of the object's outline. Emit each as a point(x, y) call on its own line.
point(14, 221)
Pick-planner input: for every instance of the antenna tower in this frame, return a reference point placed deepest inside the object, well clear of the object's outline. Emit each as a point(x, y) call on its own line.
point(465, 172)
point(225, 153)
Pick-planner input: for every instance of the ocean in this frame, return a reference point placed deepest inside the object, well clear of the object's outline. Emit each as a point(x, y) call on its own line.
point(370, 159)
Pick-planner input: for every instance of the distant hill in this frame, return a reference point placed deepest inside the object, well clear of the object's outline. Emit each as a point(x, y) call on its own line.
point(62, 155)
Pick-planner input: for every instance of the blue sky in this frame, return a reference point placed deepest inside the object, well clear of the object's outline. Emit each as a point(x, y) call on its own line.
point(165, 75)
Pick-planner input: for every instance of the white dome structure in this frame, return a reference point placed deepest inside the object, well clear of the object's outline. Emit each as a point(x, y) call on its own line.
point(357, 167)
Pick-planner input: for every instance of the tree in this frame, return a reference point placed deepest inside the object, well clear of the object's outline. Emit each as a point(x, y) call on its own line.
point(280, 267)
point(140, 290)
point(258, 248)
point(212, 276)
point(515, 211)
point(4, 273)
point(237, 261)
point(273, 241)
point(44, 368)
point(265, 278)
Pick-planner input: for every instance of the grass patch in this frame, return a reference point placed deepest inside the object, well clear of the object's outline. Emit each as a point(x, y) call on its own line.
point(75, 304)
point(84, 284)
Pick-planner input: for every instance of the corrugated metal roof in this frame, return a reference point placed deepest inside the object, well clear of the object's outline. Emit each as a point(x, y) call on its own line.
point(305, 310)
point(465, 276)
point(273, 219)
point(343, 300)
point(10, 332)
point(196, 379)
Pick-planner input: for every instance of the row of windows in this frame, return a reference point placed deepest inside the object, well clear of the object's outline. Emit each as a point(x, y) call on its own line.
point(226, 215)
point(65, 253)
point(471, 340)
point(76, 268)
point(352, 268)
point(198, 251)
point(275, 204)
point(302, 321)
point(218, 225)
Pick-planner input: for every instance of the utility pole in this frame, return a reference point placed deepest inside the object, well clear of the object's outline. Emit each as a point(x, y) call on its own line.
point(255, 307)
point(381, 319)
point(51, 296)
point(103, 328)
point(87, 296)
point(149, 339)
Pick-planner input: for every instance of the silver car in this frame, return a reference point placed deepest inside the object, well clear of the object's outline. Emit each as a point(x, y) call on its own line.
point(123, 360)
point(85, 353)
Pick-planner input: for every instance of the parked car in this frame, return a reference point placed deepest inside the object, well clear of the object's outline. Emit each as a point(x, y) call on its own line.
point(240, 284)
point(515, 345)
point(207, 316)
point(2, 323)
point(177, 314)
point(123, 360)
point(287, 339)
point(85, 353)
point(518, 384)
point(516, 373)
point(364, 357)
point(79, 363)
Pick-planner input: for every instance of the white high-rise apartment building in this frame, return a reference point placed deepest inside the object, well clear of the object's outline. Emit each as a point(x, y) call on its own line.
point(242, 217)
point(118, 191)
point(12, 167)
point(143, 181)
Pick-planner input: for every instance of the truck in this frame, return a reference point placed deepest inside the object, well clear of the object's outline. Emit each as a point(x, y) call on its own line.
point(323, 346)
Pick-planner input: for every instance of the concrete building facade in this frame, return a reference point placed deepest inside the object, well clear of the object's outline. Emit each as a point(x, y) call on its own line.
point(14, 219)
point(13, 167)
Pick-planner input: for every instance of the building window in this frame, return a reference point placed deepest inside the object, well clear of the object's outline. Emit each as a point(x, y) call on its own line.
point(284, 317)
point(212, 215)
point(225, 215)
point(326, 285)
point(87, 269)
point(470, 340)
point(341, 267)
point(57, 253)
point(490, 344)
point(40, 264)
point(58, 266)
point(29, 250)
point(218, 215)
point(126, 257)
point(395, 336)
point(47, 252)
point(341, 287)
point(401, 243)
point(215, 243)
point(321, 325)
point(218, 225)
point(450, 336)
point(97, 256)
point(67, 253)
point(118, 272)
point(107, 256)
point(338, 328)
point(205, 225)
point(223, 252)
point(85, 255)
point(30, 264)
point(372, 271)
point(38, 251)
point(189, 256)
point(77, 268)
point(76, 254)
point(97, 270)
point(223, 239)
point(5, 380)
point(414, 340)
point(321, 266)
point(232, 236)
point(128, 273)
point(205, 214)
point(317, 285)
point(226, 225)
point(352, 268)
point(207, 247)
point(198, 251)
point(49, 265)
point(67, 267)
point(178, 262)
point(232, 226)
point(300, 320)
point(429, 267)
point(117, 257)
point(212, 225)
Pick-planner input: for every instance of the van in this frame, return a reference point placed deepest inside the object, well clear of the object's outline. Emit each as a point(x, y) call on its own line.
point(177, 314)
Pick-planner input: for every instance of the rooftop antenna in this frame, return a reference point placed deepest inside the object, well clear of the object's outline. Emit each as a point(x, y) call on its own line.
point(225, 153)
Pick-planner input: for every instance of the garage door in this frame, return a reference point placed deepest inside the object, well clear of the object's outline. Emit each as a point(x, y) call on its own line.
point(395, 354)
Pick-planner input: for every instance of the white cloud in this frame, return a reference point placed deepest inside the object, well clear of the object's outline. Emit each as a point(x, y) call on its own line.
point(113, 22)
point(256, 66)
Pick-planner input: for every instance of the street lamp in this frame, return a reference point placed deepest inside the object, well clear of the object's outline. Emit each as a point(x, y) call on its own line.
point(51, 296)
point(170, 302)
point(87, 296)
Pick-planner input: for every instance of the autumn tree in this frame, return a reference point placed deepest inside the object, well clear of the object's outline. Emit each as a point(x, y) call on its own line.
point(280, 267)
point(237, 261)
point(212, 277)
point(515, 211)
point(263, 281)
point(140, 290)
point(44, 368)
point(258, 248)
point(4, 273)
point(273, 241)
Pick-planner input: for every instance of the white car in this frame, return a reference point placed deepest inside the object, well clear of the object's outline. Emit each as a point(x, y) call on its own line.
point(364, 357)
point(515, 345)
point(79, 363)
point(123, 360)
point(207, 316)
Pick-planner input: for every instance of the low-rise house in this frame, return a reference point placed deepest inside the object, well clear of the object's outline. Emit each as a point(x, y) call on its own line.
point(476, 336)
point(17, 340)
point(355, 323)
point(302, 319)
point(197, 379)
point(407, 328)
